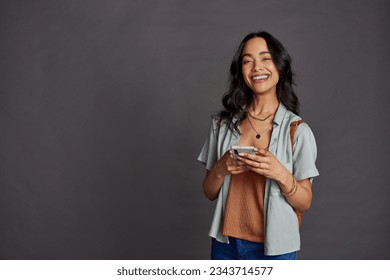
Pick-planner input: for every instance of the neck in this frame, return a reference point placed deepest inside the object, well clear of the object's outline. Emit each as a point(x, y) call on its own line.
point(263, 104)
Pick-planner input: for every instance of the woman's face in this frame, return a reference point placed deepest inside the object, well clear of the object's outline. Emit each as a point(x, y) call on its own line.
point(258, 69)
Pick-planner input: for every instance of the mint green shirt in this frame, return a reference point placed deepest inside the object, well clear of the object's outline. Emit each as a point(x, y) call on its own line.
point(281, 230)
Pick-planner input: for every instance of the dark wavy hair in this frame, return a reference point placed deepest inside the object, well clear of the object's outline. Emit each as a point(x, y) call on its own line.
point(239, 95)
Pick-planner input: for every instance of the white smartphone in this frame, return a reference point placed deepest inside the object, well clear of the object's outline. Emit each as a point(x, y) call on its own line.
point(242, 149)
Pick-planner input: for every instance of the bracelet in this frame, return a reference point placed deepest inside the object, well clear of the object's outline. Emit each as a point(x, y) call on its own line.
point(293, 189)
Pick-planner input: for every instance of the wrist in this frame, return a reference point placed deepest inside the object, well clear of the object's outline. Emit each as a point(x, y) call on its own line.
point(218, 172)
point(285, 180)
point(293, 189)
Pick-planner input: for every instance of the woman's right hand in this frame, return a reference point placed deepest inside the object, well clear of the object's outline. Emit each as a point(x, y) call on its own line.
point(226, 165)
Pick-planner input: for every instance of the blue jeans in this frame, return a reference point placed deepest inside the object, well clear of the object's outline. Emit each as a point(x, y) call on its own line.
point(239, 249)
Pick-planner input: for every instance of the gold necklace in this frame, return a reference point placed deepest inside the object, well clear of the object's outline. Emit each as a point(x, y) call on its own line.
point(258, 135)
point(253, 117)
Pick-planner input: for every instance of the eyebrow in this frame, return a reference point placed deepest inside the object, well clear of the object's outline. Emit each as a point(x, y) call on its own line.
point(260, 53)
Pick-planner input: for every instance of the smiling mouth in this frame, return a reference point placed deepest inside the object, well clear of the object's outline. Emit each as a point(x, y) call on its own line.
point(260, 77)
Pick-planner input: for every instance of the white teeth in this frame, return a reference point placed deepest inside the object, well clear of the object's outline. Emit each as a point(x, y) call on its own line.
point(260, 77)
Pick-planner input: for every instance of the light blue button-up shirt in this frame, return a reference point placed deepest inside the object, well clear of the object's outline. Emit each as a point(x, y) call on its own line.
point(281, 232)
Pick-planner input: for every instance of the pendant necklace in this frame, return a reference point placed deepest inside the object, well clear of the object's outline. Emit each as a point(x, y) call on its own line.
point(258, 135)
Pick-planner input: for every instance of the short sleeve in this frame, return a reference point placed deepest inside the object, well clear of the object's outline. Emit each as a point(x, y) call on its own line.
point(209, 154)
point(304, 154)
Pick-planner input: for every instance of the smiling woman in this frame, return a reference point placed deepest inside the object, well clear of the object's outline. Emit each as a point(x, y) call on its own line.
point(259, 194)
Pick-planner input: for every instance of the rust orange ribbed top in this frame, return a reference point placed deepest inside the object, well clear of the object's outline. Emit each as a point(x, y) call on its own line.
point(244, 214)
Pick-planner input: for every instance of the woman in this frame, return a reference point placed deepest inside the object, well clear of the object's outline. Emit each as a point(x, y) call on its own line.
point(259, 195)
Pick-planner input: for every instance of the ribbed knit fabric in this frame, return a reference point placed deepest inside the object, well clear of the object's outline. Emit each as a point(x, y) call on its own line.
point(244, 214)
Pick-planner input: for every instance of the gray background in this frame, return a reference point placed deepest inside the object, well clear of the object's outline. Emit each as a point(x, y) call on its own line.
point(104, 107)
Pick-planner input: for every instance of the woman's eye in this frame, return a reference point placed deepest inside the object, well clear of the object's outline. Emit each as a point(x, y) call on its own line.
point(267, 58)
point(246, 61)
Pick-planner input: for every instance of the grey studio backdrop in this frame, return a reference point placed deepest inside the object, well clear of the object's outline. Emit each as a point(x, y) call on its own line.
point(104, 107)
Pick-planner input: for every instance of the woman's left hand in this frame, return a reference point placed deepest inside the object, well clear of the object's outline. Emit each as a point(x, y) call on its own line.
point(265, 163)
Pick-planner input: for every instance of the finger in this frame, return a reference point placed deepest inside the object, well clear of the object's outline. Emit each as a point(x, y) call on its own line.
point(237, 169)
point(236, 165)
point(253, 157)
point(246, 155)
point(232, 168)
point(259, 171)
point(251, 163)
point(263, 152)
point(234, 161)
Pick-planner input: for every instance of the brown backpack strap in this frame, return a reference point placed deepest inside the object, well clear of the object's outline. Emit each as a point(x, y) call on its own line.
point(293, 128)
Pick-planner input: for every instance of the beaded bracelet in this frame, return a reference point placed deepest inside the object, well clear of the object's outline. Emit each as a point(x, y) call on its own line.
point(293, 189)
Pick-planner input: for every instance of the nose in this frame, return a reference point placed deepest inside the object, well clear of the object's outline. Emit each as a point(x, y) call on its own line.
point(257, 66)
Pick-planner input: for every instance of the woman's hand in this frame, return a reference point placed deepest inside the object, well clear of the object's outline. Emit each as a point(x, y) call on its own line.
point(264, 163)
point(226, 165)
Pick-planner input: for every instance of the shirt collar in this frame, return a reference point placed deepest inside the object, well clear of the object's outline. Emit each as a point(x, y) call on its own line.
point(280, 114)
